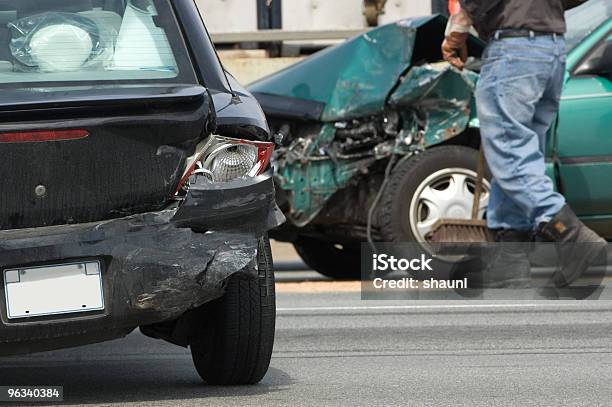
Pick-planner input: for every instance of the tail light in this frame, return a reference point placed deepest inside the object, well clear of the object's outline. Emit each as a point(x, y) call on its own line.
point(37, 136)
point(223, 159)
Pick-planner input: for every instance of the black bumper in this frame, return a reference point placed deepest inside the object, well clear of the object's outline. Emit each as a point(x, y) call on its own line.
point(156, 266)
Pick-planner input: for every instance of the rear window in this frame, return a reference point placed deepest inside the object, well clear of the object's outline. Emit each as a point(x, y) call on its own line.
point(91, 41)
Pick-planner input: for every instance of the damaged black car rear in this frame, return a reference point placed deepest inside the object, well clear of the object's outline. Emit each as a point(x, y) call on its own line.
point(136, 189)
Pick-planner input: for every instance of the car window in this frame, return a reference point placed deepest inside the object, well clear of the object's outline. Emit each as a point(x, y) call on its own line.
point(599, 62)
point(583, 20)
point(90, 41)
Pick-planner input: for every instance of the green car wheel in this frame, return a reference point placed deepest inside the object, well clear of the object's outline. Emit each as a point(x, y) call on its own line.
point(436, 184)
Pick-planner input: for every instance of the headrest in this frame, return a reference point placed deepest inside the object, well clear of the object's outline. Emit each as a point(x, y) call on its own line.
point(77, 47)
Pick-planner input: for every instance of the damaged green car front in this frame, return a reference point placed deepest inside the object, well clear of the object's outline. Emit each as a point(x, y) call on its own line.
point(345, 112)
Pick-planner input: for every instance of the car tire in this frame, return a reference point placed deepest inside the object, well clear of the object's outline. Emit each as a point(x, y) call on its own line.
point(398, 209)
point(329, 259)
point(236, 343)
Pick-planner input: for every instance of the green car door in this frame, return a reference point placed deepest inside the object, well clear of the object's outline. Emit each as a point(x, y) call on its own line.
point(583, 143)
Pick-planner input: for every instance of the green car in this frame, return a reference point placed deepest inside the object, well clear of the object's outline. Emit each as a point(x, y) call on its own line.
point(380, 139)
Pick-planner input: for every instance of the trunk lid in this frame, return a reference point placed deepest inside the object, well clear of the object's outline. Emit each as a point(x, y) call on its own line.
point(131, 159)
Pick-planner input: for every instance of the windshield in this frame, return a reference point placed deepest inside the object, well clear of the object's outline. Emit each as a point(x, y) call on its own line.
point(90, 41)
point(583, 20)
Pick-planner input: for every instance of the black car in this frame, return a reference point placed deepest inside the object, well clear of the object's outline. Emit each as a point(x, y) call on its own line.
point(135, 186)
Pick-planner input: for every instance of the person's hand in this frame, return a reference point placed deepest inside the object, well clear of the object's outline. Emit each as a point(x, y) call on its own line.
point(454, 47)
point(455, 50)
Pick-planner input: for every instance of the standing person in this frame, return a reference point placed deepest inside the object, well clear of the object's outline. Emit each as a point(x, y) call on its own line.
point(518, 98)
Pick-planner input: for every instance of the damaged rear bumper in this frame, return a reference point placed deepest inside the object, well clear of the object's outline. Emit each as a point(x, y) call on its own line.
point(155, 266)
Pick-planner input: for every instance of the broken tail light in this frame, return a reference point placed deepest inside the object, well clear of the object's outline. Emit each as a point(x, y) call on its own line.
point(223, 159)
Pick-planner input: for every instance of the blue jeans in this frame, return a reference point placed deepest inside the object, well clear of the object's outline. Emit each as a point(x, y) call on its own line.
point(518, 100)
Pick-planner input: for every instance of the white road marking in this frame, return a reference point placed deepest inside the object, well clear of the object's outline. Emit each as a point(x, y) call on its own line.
point(432, 307)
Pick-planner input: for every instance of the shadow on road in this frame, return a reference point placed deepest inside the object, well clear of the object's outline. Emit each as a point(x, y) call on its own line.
point(134, 369)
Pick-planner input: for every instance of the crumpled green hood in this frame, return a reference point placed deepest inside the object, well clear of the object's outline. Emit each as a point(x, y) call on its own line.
point(355, 78)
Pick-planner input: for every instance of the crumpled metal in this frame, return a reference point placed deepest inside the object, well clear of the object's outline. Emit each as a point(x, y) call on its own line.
point(354, 78)
point(151, 263)
point(442, 97)
point(364, 78)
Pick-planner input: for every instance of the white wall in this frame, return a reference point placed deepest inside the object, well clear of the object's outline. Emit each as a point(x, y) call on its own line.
point(223, 16)
point(241, 15)
point(344, 14)
point(301, 15)
point(397, 9)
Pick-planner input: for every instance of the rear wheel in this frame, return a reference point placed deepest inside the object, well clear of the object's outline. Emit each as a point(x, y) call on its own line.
point(333, 260)
point(235, 346)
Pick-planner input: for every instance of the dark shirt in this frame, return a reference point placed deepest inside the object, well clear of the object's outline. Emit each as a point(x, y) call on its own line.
point(537, 15)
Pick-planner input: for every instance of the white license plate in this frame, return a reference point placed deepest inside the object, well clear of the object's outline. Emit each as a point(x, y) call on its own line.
point(52, 290)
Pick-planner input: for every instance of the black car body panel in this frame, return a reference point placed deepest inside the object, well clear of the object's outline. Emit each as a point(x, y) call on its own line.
point(239, 114)
point(246, 205)
point(144, 135)
point(89, 100)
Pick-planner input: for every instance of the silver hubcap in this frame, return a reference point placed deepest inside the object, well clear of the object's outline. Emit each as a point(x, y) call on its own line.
point(446, 194)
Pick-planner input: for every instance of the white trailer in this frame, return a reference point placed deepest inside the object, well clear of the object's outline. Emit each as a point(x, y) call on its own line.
point(345, 14)
point(241, 16)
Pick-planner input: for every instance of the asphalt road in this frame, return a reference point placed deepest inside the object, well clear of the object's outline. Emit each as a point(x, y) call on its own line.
point(334, 349)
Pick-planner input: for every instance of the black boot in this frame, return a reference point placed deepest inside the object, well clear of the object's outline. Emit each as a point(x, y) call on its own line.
point(578, 247)
point(508, 266)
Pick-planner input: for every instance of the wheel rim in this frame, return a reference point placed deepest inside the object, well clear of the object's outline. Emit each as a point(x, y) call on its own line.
point(446, 194)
